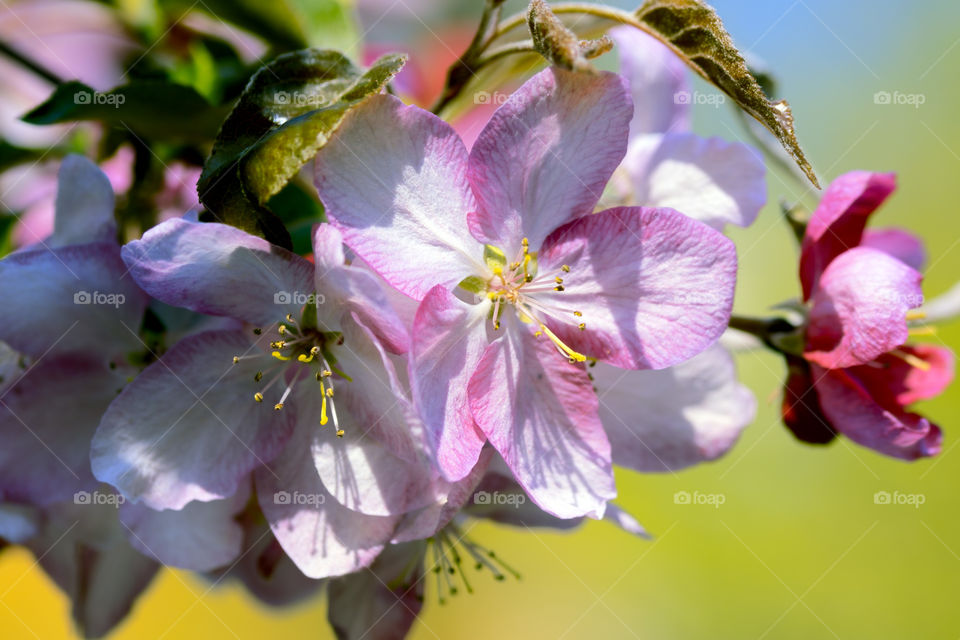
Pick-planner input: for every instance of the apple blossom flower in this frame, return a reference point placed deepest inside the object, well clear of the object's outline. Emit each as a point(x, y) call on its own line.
point(856, 375)
point(547, 283)
point(666, 164)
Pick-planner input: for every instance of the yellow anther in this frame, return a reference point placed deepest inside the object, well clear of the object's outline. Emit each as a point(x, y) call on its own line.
point(259, 376)
point(570, 353)
point(278, 406)
point(525, 243)
point(577, 313)
point(559, 287)
point(582, 326)
point(915, 314)
point(340, 433)
point(559, 280)
point(258, 397)
point(326, 373)
point(912, 360)
point(565, 268)
point(538, 334)
point(289, 317)
point(496, 326)
point(329, 392)
point(280, 356)
point(309, 358)
point(278, 344)
point(282, 330)
point(236, 359)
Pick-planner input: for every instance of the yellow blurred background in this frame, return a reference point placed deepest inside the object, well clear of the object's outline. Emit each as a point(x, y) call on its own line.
point(798, 549)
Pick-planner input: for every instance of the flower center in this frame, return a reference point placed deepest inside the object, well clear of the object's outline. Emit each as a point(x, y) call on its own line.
point(518, 283)
point(301, 351)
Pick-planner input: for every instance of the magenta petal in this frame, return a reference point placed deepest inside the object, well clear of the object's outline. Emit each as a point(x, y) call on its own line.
point(448, 341)
point(322, 537)
point(901, 244)
point(540, 413)
point(658, 80)
point(546, 155)
point(219, 270)
point(859, 308)
point(202, 536)
point(839, 221)
point(393, 179)
point(853, 410)
point(188, 428)
point(654, 287)
point(900, 382)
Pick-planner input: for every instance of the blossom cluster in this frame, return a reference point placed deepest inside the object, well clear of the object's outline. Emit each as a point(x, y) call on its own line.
point(509, 316)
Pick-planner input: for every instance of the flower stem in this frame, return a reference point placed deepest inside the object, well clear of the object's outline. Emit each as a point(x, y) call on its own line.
point(32, 65)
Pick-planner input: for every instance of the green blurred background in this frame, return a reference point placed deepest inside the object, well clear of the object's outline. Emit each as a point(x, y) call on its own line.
point(798, 549)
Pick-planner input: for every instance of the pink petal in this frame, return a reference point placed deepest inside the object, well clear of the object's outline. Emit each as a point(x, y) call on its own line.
point(393, 179)
point(47, 419)
point(187, 428)
point(654, 287)
point(219, 270)
point(352, 289)
point(448, 341)
point(73, 298)
point(202, 536)
point(322, 537)
point(857, 412)
point(676, 417)
point(382, 603)
point(540, 413)
point(658, 82)
point(378, 467)
point(901, 244)
point(84, 205)
point(838, 222)
point(859, 308)
point(546, 155)
point(708, 179)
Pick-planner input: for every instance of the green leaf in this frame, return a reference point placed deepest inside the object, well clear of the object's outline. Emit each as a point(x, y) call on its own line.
point(288, 111)
point(689, 27)
point(153, 109)
point(694, 31)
